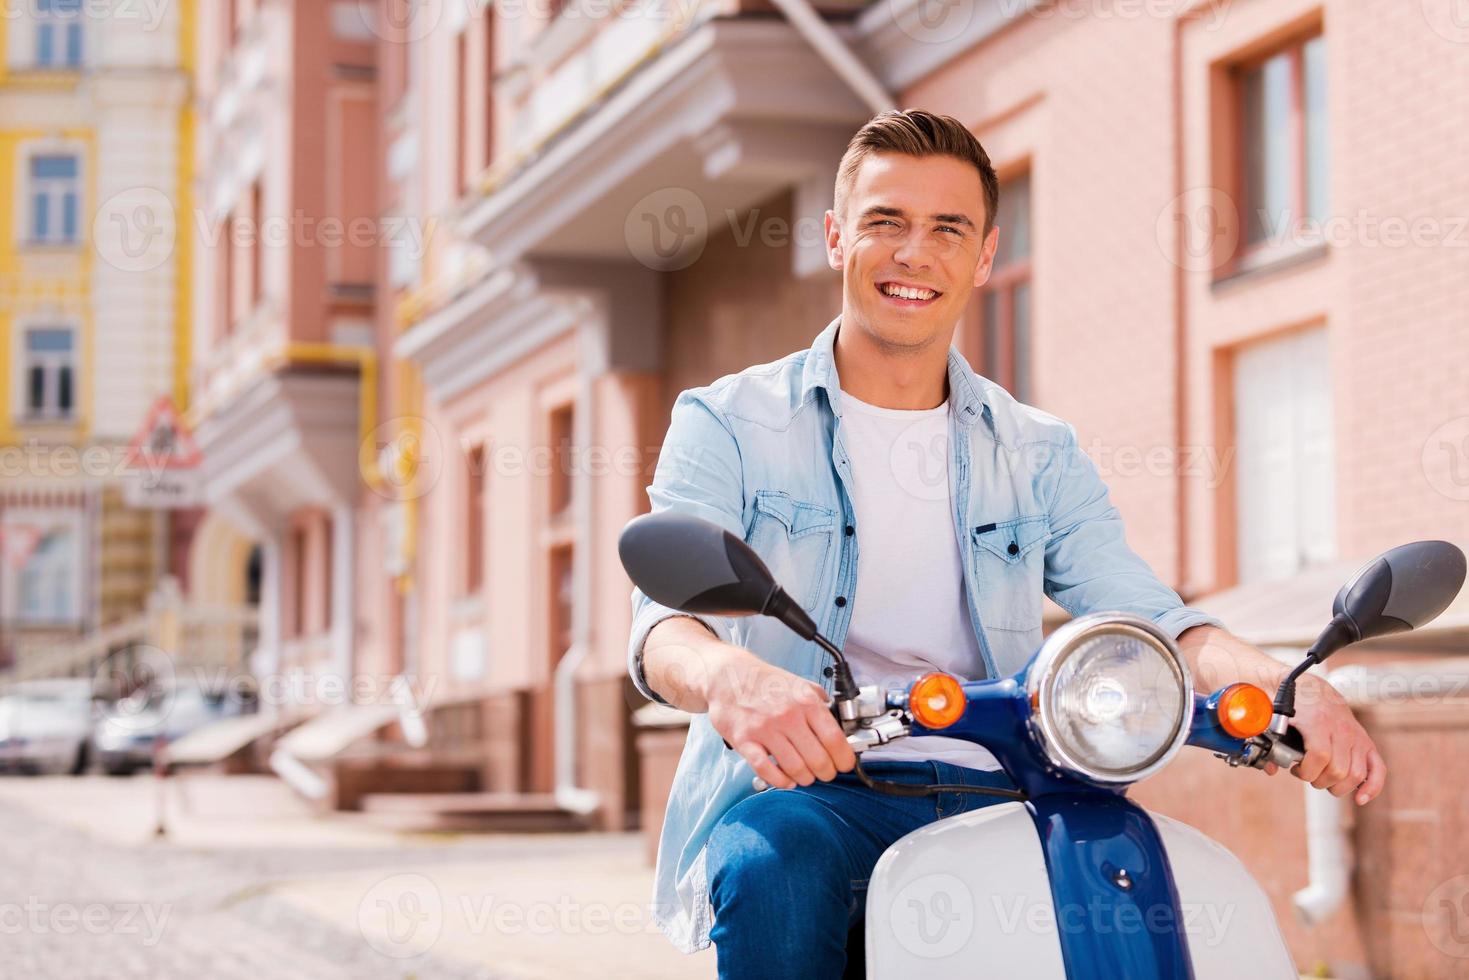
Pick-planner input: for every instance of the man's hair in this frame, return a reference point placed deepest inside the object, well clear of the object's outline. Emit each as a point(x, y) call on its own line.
point(917, 133)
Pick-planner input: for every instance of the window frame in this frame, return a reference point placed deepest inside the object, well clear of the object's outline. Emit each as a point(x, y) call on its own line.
point(52, 413)
point(13, 594)
point(476, 519)
point(55, 189)
point(1003, 283)
point(65, 34)
point(1249, 255)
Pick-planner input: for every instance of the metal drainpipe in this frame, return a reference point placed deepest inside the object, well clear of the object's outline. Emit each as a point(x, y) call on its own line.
point(1329, 855)
point(834, 51)
point(569, 795)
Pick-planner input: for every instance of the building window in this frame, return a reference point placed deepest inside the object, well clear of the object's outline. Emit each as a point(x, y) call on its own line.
point(226, 302)
point(562, 602)
point(462, 114)
point(474, 520)
point(1285, 485)
point(300, 595)
point(58, 33)
point(257, 245)
point(50, 372)
point(487, 86)
point(55, 190)
point(1004, 301)
point(1283, 142)
point(561, 438)
point(47, 581)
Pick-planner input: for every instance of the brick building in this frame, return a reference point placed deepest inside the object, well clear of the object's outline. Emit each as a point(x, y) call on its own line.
point(1231, 254)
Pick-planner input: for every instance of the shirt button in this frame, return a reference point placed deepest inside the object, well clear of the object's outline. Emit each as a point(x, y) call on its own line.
point(851, 530)
point(1014, 548)
point(841, 601)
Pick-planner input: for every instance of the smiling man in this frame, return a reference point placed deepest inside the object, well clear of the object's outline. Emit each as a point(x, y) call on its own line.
point(920, 514)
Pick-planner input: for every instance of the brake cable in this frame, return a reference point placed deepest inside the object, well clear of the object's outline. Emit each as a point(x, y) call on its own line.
point(933, 789)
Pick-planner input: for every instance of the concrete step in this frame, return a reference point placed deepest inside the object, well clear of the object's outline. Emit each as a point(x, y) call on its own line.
point(468, 812)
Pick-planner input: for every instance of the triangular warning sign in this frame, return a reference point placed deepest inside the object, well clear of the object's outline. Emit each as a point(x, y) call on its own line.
point(164, 441)
point(18, 541)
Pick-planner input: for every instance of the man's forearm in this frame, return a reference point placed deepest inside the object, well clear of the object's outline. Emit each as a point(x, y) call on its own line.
point(682, 658)
point(1217, 657)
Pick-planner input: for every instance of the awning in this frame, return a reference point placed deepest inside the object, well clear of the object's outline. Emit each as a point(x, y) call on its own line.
point(1292, 612)
point(333, 732)
point(222, 739)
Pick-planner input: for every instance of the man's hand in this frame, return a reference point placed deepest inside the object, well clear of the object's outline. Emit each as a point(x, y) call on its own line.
point(764, 711)
point(759, 709)
point(1340, 755)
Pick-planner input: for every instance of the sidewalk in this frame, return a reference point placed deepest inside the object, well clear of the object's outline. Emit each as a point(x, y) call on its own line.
point(512, 905)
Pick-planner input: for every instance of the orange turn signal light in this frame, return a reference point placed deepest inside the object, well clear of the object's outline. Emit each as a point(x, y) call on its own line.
point(1244, 710)
point(936, 700)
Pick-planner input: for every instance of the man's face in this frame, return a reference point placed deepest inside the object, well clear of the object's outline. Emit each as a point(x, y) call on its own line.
point(911, 247)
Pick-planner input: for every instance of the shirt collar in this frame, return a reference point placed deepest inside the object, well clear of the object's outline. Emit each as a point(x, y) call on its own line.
point(966, 393)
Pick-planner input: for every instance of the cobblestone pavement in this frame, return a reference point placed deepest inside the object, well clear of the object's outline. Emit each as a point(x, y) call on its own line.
point(74, 907)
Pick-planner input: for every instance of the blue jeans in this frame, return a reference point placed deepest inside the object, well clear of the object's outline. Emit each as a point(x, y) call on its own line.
point(788, 869)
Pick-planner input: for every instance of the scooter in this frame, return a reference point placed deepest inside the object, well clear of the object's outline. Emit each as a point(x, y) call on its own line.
point(1067, 877)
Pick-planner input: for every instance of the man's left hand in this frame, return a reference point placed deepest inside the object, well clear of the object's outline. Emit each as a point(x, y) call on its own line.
point(1340, 755)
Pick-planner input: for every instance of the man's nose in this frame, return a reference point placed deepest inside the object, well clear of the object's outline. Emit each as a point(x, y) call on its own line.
point(913, 251)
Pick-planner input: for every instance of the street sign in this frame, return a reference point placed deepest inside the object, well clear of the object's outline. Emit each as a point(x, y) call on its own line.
point(163, 462)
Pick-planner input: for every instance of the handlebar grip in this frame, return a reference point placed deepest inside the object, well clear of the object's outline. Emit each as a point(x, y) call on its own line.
point(1289, 748)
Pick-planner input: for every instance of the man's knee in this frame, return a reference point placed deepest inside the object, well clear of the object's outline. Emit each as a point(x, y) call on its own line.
point(772, 839)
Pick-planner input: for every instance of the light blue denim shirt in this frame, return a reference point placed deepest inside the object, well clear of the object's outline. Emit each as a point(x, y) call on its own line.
point(760, 452)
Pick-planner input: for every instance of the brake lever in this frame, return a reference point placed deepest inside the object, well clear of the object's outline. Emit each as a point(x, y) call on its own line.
point(1285, 750)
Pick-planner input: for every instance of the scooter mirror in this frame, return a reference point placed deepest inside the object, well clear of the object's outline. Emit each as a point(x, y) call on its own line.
point(1399, 590)
point(697, 566)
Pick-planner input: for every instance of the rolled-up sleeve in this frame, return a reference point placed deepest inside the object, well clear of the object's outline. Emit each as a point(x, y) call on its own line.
point(698, 474)
point(1089, 566)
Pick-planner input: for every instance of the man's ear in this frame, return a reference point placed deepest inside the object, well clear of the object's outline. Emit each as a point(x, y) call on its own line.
point(833, 241)
point(986, 258)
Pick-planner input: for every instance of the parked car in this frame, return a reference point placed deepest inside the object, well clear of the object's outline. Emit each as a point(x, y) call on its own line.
point(8, 704)
point(46, 726)
point(127, 734)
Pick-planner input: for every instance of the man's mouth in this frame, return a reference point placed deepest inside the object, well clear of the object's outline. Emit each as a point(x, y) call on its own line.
point(907, 295)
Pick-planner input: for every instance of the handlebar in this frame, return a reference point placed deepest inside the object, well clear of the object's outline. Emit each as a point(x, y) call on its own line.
point(1288, 749)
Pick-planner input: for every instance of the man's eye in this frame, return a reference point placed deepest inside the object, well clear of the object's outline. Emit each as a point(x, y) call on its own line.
point(950, 229)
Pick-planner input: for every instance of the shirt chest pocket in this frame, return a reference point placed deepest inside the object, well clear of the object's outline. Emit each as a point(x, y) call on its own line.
point(1009, 564)
point(793, 536)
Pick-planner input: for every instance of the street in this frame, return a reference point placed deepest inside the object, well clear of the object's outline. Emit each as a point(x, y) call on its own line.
point(249, 884)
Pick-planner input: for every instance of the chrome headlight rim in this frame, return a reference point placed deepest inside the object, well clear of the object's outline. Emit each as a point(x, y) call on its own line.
point(1062, 643)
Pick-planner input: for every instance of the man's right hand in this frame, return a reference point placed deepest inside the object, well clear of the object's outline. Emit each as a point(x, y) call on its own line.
point(780, 723)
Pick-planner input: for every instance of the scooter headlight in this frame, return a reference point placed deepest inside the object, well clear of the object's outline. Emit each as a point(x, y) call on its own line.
point(1111, 697)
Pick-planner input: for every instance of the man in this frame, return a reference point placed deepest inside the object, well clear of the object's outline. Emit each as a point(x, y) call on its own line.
point(919, 513)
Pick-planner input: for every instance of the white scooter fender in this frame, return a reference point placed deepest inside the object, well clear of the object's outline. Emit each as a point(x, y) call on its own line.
point(971, 896)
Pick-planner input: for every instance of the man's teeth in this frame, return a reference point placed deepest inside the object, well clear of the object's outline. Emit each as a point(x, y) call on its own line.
point(906, 292)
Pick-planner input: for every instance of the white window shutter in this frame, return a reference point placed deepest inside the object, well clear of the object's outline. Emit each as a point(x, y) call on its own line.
point(1285, 482)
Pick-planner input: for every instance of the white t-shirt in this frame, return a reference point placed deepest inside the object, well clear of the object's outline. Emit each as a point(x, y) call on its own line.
point(910, 615)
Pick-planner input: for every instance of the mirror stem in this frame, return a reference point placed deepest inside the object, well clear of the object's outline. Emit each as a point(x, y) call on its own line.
point(845, 684)
point(1341, 631)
